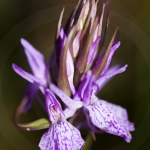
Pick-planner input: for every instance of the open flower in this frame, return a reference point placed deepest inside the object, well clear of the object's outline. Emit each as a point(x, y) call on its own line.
point(61, 135)
point(108, 117)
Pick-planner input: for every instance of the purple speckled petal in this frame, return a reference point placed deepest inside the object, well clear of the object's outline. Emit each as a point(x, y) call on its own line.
point(103, 79)
point(89, 123)
point(104, 119)
point(35, 60)
point(61, 136)
point(27, 76)
point(92, 51)
point(121, 114)
point(72, 104)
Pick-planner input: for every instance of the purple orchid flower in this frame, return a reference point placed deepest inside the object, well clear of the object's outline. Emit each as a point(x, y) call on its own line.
point(108, 117)
point(61, 134)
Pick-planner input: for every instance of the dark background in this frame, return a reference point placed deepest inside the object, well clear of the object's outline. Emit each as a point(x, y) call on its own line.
point(36, 21)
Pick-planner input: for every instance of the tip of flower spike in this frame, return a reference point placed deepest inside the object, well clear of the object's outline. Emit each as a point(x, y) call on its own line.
point(107, 3)
point(59, 22)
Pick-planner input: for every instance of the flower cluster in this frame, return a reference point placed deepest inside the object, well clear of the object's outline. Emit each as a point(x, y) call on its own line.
point(75, 73)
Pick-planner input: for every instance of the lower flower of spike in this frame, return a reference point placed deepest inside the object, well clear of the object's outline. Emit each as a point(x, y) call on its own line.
point(61, 134)
point(107, 117)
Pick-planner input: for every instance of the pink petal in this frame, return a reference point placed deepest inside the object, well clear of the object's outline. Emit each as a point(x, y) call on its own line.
point(69, 112)
point(53, 106)
point(92, 51)
point(103, 79)
point(61, 136)
point(51, 99)
point(85, 88)
point(72, 104)
point(76, 44)
point(104, 82)
point(35, 60)
point(83, 85)
point(112, 51)
point(104, 119)
point(27, 75)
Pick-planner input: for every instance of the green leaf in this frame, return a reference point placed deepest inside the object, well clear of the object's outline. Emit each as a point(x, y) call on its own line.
point(35, 125)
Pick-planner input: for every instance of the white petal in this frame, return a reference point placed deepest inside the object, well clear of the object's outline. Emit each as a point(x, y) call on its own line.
point(104, 119)
point(61, 136)
point(72, 104)
point(69, 112)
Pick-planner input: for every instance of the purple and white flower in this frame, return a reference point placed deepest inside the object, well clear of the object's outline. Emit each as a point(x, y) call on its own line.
point(108, 117)
point(61, 135)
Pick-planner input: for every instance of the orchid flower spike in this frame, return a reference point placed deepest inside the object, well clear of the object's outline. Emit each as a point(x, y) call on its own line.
point(61, 135)
point(76, 72)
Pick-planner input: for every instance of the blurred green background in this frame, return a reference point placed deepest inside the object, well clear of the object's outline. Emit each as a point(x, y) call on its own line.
point(36, 21)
